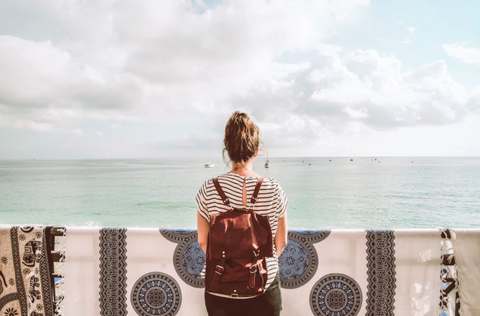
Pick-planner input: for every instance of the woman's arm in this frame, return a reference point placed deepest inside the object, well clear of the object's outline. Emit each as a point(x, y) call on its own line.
point(281, 235)
point(202, 229)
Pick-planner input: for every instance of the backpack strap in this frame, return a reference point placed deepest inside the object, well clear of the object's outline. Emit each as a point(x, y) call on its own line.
point(225, 199)
point(257, 188)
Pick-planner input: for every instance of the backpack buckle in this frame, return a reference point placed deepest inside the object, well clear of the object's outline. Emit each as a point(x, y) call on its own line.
point(219, 269)
point(253, 268)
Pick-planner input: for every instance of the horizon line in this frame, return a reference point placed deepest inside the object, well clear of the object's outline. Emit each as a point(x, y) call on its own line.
point(209, 157)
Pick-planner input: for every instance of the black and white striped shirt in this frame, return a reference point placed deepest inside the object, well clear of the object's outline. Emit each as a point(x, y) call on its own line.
point(271, 201)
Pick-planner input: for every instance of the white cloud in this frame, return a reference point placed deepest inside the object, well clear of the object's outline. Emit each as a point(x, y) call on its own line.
point(149, 61)
point(93, 75)
point(356, 113)
point(29, 124)
point(411, 29)
point(236, 38)
point(42, 75)
point(360, 92)
point(77, 131)
point(473, 101)
point(460, 51)
point(190, 141)
point(321, 47)
point(99, 133)
point(117, 62)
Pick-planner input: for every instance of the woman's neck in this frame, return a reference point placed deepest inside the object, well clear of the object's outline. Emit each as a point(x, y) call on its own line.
point(243, 169)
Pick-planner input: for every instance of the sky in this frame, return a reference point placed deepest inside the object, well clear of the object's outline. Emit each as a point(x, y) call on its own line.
point(111, 79)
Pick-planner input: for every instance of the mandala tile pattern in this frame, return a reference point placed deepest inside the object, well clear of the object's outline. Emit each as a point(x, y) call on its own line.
point(380, 272)
point(189, 261)
point(298, 262)
point(336, 294)
point(178, 235)
point(189, 258)
point(113, 271)
point(312, 236)
point(156, 293)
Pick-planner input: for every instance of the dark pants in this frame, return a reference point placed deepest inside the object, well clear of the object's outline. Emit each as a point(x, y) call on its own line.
point(268, 304)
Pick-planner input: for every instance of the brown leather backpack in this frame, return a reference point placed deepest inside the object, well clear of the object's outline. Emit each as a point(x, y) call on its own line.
point(239, 240)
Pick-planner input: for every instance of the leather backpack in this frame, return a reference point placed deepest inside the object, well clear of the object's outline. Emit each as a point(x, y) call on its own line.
point(239, 241)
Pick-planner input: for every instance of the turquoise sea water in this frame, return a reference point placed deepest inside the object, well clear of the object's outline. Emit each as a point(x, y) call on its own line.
point(387, 193)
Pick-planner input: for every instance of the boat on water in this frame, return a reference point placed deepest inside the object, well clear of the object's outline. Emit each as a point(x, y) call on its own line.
point(267, 164)
point(210, 164)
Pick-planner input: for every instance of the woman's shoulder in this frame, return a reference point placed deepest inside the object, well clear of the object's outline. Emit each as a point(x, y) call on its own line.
point(204, 188)
point(236, 177)
point(268, 183)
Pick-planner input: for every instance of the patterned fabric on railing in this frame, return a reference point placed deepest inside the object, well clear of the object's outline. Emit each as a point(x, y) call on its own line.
point(325, 272)
point(119, 271)
point(25, 276)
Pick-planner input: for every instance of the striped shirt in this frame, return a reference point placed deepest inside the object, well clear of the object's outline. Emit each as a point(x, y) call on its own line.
point(271, 201)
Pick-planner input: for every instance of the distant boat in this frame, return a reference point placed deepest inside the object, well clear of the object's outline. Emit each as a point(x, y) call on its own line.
point(351, 159)
point(267, 163)
point(329, 159)
point(210, 164)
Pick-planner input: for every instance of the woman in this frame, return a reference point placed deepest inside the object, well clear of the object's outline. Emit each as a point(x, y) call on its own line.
point(241, 143)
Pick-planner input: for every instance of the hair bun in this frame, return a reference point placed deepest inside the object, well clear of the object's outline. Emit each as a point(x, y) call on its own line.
point(241, 137)
point(237, 116)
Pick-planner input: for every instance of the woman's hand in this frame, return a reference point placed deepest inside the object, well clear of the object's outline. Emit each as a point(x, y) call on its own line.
point(202, 229)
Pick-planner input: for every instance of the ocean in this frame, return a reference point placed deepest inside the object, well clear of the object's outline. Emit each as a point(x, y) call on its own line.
point(323, 193)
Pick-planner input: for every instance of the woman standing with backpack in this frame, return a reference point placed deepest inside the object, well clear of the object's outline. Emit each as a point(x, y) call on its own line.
point(242, 227)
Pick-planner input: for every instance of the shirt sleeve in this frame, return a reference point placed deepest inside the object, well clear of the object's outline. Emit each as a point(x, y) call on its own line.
point(201, 200)
point(282, 201)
